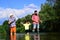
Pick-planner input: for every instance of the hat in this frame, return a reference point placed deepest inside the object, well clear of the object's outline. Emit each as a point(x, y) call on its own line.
point(35, 11)
point(10, 14)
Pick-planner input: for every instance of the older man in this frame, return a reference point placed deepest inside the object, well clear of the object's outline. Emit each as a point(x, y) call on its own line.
point(12, 24)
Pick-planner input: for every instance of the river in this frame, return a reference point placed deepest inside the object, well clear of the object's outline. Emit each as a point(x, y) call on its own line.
point(36, 36)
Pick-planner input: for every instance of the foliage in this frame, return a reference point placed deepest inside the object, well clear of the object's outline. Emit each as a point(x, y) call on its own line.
point(50, 16)
point(47, 12)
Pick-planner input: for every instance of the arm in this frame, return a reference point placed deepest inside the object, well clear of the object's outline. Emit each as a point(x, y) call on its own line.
point(29, 23)
point(11, 21)
point(21, 23)
point(33, 19)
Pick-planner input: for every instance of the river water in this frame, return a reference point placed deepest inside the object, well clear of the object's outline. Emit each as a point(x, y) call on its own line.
point(36, 36)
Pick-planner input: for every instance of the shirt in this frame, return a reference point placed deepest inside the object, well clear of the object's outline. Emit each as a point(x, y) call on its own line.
point(27, 26)
point(35, 19)
point(12, 20)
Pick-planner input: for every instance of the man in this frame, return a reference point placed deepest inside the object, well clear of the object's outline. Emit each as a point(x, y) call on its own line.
point(12, 25)
point(35, 19)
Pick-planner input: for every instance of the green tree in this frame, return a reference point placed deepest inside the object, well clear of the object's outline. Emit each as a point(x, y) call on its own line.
point(57, 8)
point(47, 15)
point(50, 14)
point(5, 26)
point(28, 17)
point(57, 11)
point(2, 32)
point(20, 27)
point(47, 12)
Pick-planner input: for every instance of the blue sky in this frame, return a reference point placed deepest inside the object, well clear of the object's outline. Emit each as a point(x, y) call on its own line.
point(19, 8)
point(18, 4)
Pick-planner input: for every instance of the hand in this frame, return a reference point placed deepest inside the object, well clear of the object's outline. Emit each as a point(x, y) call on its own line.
point(9, 22)
point(21, 22)
point(40, 21)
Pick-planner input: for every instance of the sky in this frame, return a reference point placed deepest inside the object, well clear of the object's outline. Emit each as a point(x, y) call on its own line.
point(19, 8)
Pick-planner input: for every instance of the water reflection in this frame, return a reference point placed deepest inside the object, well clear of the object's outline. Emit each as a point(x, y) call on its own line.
point(34, 36)
point(40, 36)
point(37, 37)
point(27, 36)
point(13, 36)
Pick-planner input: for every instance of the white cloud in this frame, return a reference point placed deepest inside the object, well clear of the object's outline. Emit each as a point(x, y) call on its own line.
point(33, 6)
point(4, 12)
point(30, 8)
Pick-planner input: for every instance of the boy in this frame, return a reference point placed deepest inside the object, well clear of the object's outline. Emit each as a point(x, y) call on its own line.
point(26, 25)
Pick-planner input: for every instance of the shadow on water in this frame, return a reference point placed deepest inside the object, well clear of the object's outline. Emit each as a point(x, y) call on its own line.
point(35, 36)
